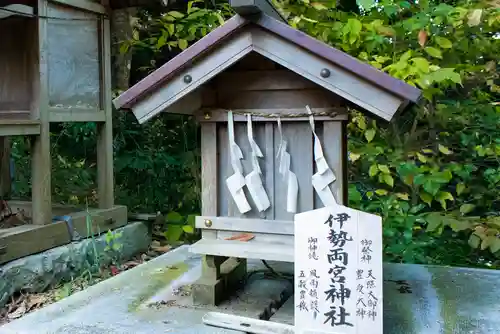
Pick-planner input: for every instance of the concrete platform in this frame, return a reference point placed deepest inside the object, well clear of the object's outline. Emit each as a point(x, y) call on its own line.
point(431, 299)
point(155, 298)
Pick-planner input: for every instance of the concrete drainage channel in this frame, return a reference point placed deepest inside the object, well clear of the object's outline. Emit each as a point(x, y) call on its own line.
point(275, 305)
point(261, 324)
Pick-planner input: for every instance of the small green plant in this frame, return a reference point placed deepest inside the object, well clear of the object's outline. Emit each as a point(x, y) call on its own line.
point(180, 228)
point(113, 246)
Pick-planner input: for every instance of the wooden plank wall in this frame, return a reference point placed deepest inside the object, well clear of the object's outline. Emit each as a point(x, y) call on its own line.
point(256, 84)
point(300, 147)
point(16, 63)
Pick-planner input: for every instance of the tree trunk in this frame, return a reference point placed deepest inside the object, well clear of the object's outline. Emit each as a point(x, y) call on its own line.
point(121, 30)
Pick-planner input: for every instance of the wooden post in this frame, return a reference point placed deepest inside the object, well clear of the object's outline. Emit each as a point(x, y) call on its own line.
point(105, 177)
point(219, 273)
point(5, 170)
point(41, 161)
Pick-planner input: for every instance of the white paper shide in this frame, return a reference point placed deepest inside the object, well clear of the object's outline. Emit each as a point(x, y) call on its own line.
point(324, 176)
point(236, 182)
point(284, 169)
point(338, 271)
point(253, 179)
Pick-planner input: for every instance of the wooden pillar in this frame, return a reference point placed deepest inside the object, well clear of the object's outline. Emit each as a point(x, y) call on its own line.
point(41, 160)
point(220, 275)
point(5, 170)
point(105, 177)
point(335, 150)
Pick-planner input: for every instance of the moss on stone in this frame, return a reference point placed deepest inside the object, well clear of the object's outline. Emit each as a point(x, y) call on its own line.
point(158, 280)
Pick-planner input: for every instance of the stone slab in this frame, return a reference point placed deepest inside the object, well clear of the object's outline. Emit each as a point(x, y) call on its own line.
point(151, 298)
point(431, 299)
point(36, 272)
point(154, 298)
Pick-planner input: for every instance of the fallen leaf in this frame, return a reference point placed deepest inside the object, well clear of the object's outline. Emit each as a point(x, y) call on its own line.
point(36, 300)
point(161, 249)
point(242, 237)
point(19, 312)
point(114, 270)
point(131, 264)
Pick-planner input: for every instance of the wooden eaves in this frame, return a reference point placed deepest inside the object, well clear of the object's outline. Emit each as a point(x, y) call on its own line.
point(335, 58)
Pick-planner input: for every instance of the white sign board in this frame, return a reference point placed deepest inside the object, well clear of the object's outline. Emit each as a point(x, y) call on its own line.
point(338, 271)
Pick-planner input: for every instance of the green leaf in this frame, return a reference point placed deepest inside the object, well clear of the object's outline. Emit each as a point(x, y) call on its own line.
point(403, 196)
point(434, 221)
point(433, 52)
point(474, 241)
point(366, 4)
point(352, 29)
point(487, 241)
point(421, 157)
point(495, 245)
point(220, 18)
point(370, 134)
point(354, 156)
point(190, 6)
point(442, 196)
point(354, 194)
point(183, 44)
point(444, 74)
point(432, 187)
point(173, 217)
point(191, 220)
point(361, 122)
point(174, 233)
point(443, 42)
point(188, 229)
point(384, 169)
point(493, 221)
point(381, 192)
point(388, 180)
point(176, 14)
point(458, 225)
point(318, 6)
point(460, 188)
point(444, 150)
point(421, 63)
point(124, 47)
point(162, 40)
point(170, 28)
point(466, 208)
point(373, 170)
point(426, 198)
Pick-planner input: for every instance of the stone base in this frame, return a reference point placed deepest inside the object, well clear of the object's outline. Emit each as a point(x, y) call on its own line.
point(209, 291)
point(35, 273)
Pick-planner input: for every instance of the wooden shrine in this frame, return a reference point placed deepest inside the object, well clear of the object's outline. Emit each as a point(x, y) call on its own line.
point(276, 84)
point(55, 67)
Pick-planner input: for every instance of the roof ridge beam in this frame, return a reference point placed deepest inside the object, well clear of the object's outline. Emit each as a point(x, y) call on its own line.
point(249, 8)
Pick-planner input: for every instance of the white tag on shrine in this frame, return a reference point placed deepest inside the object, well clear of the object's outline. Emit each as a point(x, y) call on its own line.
point(338, 271)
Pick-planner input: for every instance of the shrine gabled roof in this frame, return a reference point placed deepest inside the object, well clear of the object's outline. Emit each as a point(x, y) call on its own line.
point(237, 23)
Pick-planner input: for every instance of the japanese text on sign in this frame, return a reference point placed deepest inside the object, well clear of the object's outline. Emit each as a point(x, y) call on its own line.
point(338, 271)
